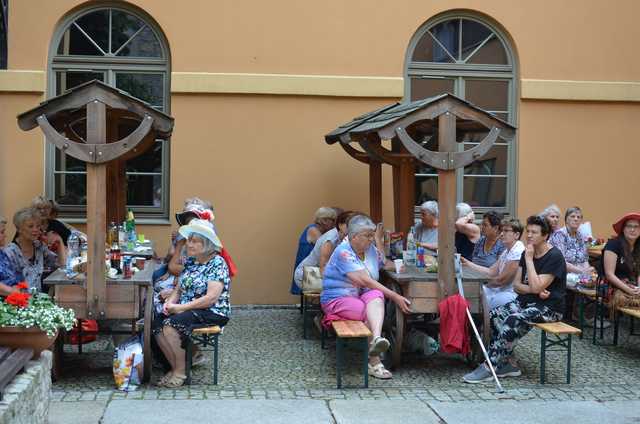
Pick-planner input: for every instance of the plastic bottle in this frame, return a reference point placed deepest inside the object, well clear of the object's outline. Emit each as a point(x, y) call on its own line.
point(411, 246)
point(73, 244)
point(420, 257)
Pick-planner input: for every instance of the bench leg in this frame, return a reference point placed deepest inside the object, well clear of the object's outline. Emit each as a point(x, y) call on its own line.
point(616, 327)
point(188, 353)
point(581, 314)
point(301, 303)
point(543, 354)
point(365, 361)
point(569, 359)
point(305, 321)
point(215, 359)
point(339, 354)
point(323, 338)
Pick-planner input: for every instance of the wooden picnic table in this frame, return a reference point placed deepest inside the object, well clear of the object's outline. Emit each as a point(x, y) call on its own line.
point(124, 301)
point(422, 289)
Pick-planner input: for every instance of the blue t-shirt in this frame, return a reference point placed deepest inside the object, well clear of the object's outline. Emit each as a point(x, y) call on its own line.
point(480, 257)
point(335, 282)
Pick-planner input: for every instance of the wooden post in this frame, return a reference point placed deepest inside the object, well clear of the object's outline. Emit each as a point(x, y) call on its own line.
point(447, 207)
point(375, 190)
point(406, 195)
point(96, 216)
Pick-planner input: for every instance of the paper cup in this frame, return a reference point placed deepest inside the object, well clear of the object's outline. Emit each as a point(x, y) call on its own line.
point(398, 264)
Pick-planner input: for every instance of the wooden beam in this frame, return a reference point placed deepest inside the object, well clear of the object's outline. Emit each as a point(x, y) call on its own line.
point(96, 214)
point(375, 191)
point(447, 207)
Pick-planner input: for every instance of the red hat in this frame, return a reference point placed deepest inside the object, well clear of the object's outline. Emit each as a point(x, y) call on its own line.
point(619, 226)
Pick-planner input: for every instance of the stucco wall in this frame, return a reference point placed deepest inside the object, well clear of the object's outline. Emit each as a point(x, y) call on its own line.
point(261, 158)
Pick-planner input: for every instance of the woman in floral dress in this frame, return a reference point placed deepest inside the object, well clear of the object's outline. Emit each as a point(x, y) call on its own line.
point(201, 298)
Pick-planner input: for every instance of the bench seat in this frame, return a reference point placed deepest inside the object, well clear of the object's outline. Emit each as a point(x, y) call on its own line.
point(562, 333)
point(357, 332)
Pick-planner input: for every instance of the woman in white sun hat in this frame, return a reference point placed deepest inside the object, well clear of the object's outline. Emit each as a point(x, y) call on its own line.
point(200, 299)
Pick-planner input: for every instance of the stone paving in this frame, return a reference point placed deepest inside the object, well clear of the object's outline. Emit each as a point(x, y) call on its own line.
point(263, 356)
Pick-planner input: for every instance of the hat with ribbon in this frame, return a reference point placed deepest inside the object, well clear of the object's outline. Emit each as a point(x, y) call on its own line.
point(194, 210)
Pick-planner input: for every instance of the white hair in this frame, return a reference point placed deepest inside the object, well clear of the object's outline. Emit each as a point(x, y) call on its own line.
point(431, 207)
point(360, 223)
point(549, 209)
point(325, 212)
point(463, 209)
point(198, 201)
point(3, 220)
point(208, 247)
point(25, 214)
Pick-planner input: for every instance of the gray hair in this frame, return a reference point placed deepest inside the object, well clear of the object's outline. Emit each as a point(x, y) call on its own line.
point(25, 214)
point(574, 209)
point(431, 207)
point(360, 223)
point(325, 212)
point(551, 208)
point(3, 220)
point(209, 247)
point(463, 209)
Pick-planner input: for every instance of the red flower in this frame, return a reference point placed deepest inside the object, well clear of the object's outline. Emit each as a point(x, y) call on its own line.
point(23, 285)
point(18, 299)
point(205, 215)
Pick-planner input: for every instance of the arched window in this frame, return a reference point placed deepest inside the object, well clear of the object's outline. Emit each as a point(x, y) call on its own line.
point(124, 49)
point(465, 55)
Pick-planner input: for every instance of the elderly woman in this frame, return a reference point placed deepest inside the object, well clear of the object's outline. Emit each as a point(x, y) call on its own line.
point(552, 214)
point(324, 220)
point(570, 242)
point(467, 232)
point(621, 261)
point(540, 283)
point(489, 247)
point(324, 247)
point(499, 289)
point(48, 209)
point(200, 299)
point(427, 229)
point(27, 254)
point(8, 275)
point(351, 290)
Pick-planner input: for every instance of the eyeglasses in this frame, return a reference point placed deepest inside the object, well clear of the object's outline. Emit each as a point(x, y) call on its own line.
point(368, 236)
point(632, 227)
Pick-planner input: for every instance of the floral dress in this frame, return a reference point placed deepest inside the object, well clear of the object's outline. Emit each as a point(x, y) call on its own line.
point(193, 283)
point(573, 249)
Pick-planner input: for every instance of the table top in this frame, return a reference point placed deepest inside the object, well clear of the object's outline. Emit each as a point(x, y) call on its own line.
point(140, 278)
point(412, 273)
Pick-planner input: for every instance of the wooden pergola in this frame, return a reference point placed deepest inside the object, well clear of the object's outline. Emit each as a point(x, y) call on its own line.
point(409, 126)
point(91, 123)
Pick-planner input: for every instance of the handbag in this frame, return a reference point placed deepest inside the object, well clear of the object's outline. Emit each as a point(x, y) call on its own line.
point(311, 279)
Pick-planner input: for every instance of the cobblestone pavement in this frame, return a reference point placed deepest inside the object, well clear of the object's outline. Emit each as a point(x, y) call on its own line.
point(263, 356)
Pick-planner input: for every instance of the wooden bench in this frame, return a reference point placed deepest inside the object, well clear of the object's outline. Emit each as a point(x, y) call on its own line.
point(206, 336)
point(562, 333)
point(310, 307)
point(584, 297)
point(11, 363)
point(358, 332)
point(632, 313)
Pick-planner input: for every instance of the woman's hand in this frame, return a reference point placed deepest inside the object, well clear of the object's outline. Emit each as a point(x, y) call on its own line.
point(164, 294)
point(171, 308)
point(544, 294)
point(402, 302)
point(634, 290)
point(464, 261)
point(54, 241)
point(528, 252)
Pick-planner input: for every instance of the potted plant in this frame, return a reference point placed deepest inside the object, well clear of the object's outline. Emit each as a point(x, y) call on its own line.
point(30, 319)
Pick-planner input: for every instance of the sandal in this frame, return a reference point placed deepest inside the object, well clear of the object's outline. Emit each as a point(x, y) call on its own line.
point(163, 380)
point(379, 371)
point(174, 381)
point(378, 345)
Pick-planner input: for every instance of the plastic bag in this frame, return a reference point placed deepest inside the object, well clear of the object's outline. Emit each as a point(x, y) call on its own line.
point(421, 343)
point(128, 364)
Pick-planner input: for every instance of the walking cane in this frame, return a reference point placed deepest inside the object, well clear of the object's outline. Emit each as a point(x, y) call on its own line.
point(458, 268)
